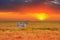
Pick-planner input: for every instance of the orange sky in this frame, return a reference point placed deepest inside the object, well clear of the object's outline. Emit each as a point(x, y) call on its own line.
point(30, 13)
point(30, 16)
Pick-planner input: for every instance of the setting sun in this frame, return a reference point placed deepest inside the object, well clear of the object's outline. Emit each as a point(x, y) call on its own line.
point(42, 16)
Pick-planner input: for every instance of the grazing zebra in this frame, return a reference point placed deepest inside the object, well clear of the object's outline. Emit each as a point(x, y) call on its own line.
point(19, 24)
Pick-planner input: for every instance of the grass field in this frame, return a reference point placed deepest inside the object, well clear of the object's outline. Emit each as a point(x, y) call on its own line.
point(32, 31)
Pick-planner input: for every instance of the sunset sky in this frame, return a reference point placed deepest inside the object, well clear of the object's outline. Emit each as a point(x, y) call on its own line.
point(32, 10)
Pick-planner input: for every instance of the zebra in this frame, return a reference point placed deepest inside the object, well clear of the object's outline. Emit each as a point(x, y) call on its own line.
point(23, 24)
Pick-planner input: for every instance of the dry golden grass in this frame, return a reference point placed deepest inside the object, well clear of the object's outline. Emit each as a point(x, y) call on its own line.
point(9, 31)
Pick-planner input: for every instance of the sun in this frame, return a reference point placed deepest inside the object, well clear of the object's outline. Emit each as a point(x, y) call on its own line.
point(42, 16)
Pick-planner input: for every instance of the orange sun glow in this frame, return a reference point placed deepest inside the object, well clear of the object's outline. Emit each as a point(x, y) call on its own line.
point(42, 16)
